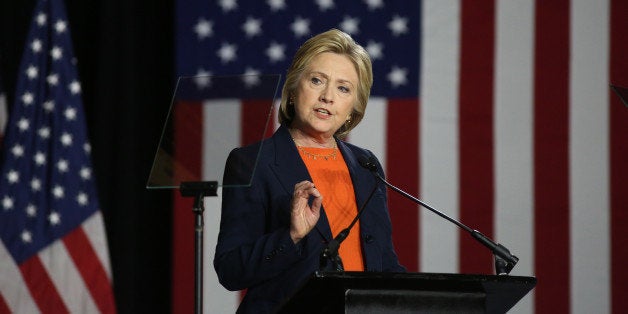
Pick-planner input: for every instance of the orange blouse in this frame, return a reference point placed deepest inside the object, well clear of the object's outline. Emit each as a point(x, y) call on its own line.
point(331, 177)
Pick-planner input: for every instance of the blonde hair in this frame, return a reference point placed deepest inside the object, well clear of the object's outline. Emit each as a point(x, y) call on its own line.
point(334, 41)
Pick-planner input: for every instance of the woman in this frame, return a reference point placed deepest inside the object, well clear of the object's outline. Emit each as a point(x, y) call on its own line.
point(307, 184)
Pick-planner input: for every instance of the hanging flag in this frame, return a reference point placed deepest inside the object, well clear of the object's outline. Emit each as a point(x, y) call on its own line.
point(498, 113)
point(53, 253)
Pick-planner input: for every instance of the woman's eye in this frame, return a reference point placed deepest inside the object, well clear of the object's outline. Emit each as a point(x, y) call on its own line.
point(343, 89)
point(316, 80)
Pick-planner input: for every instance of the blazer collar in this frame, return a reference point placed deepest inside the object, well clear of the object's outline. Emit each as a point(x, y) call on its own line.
point(290, 169)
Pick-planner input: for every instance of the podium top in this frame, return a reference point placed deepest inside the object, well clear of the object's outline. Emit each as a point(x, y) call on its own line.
point(500, 293)
point(207, 118)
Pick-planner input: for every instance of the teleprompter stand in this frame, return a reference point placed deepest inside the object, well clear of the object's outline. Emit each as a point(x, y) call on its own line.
point(201, 128)
point(364, 292)
point(198, 190)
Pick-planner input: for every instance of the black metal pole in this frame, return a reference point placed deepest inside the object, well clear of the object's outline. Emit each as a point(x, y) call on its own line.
point(199, 208)
point(198, 190)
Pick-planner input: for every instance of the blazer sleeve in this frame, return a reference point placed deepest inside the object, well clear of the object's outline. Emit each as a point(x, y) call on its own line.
point(246, 252)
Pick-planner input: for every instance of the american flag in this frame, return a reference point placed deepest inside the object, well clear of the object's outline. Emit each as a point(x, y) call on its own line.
point(498, 113)
point(53, 253)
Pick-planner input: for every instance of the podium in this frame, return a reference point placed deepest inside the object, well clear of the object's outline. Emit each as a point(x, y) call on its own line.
point(364, 292)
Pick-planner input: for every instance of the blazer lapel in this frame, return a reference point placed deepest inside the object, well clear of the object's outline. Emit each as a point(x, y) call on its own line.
point(289, 169)
point(362, 179)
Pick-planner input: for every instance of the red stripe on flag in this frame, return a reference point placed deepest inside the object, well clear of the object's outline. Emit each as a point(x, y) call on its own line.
point(91, 269)
point(402, 129)
point(618, 157)
point(41, 287)
point(188, 153)
point(4, 307)
point(551, 156)
point(476, 131)
point(255, 115)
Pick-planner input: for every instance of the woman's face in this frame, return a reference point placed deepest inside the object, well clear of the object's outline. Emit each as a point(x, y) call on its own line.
point(325, 95)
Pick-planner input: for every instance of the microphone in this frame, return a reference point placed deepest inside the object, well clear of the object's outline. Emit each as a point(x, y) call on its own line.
point(504, 261)
point(622, 93)
point(330, 253)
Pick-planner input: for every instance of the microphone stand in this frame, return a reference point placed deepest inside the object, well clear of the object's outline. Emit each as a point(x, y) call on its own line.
point(330, 253)
point(622, 93)
point(504, 261)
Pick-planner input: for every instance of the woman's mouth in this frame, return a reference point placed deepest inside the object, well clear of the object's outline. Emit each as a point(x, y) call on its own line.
point(323, 111)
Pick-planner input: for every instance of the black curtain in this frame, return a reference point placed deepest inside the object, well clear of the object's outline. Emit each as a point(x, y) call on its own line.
point(125, 52)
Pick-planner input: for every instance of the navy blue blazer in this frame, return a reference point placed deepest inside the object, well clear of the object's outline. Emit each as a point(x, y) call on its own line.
point(254, 248)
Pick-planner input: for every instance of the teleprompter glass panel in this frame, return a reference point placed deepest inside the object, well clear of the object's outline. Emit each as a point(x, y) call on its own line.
point(208, 117)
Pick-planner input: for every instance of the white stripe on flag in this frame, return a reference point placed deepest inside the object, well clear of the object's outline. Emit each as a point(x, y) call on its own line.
point(222, 130)
point(94, 228)
point(221, 134)
point(274, 114)
point(66, 278)
point(371, 132)
point(439, 134)
point(589, 168)
point(216, 299)
point(12, 285)
point(3, 113)
point(513, 135)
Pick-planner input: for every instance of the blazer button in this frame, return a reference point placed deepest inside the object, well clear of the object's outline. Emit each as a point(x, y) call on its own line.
point(368, 238)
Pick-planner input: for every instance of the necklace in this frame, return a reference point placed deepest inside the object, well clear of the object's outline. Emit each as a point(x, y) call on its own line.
point(314, 156)
point(331, 155)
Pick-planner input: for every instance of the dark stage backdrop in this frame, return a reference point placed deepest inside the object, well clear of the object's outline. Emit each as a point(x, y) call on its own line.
point(125, 60)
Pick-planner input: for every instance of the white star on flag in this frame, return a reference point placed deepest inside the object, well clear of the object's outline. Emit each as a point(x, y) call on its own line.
point(398, 25)
point(300, 27)
point(227, 52)
point(276, 5)
point(228, 5)
point(350, 25)
point(275, 52)
point(203, 28)
point(60, 26)
point(252, 27)
point(325, 5)
point(397, 76)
